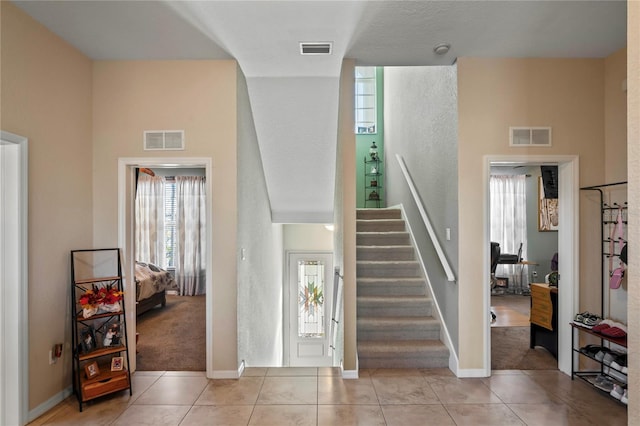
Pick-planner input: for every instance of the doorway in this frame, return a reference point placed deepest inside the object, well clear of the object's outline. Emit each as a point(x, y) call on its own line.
point(126, 223)
point(526, 250)
point(14, 320)
point(568, 243)
point(309, 290)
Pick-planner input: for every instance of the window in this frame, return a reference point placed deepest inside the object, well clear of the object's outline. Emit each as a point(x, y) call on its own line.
point(170, 208)
point(365, 100)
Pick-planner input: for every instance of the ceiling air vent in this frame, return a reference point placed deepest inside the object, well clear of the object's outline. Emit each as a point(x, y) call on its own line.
point(529, 136)
point(163, 140)
point(315, 48)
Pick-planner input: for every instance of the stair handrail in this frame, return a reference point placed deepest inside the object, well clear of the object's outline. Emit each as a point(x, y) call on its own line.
point(425, 219)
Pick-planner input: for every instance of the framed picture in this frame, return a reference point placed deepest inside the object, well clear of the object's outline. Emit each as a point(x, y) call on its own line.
point(91, 370)
point(112, 334)
point(117, 363)
point(502, 282)
point(547, 210)
point(88, 340)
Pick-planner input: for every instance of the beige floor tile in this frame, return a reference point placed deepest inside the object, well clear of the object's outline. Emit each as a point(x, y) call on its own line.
point(289, 390)
point(513, 389)
point(185, 374)
point(451, 390)
point(404, 390)
point(255, 372)
point(436, 372)
point(284, 415)
point(417, 415)
point(395, 372)
point(229, 415)
point(148, 373)
point(549, 414)
point(139, 385)
point(335, 390)
point(176, 390)
point(152, 415)
point(292, 371)
point(243, 391)
point(329, 371)
point(482, 415)
point(506, 372)
point(94, 413)
point(352, 415)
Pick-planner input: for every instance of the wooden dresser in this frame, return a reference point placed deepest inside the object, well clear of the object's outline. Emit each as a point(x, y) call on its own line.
point(544, 317)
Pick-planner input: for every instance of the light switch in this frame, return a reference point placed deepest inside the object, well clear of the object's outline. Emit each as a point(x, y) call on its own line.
point(447, 232)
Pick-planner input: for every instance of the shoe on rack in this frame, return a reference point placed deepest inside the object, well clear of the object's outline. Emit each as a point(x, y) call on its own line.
point(591, 320)
point(617, 391)
point(603, 383)
point(614, 332)
point(591, 350)
point(598, 328)
point(608, 358)
point(601, 353)
point(622, 378)
point(625, 397)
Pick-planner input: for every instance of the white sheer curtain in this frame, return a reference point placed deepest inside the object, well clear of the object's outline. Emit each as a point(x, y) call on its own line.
point(190, 244)
point(509, 224)
point(149, 214)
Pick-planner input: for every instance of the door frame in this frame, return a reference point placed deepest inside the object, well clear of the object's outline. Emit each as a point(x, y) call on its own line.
point(14, 302)
point(568, 246)
point(126, 224)
point(286, 299)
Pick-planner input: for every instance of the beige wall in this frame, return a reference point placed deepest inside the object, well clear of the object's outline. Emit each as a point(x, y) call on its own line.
point(615, 98)
point(46, 97)
point(345, 213)
point(198, 97)
point(566, 94)
point(310, 237)
point(633, 129)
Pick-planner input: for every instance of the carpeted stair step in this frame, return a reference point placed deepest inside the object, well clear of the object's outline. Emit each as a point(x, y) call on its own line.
point(387, 253)
point(403, 354)
point(371, 214)
point(391, 286)
point(380, 225)
point(397, 269)
point(382, 239)
point(398, 328)
point(394, 306)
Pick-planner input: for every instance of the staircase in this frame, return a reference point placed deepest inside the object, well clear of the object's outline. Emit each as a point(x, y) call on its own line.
point(396, 328)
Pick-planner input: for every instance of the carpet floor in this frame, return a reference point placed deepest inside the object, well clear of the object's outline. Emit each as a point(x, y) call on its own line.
point(510, 351)
point(173, 338)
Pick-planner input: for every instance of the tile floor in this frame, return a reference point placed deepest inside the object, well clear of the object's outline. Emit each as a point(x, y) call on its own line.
point(319, 396)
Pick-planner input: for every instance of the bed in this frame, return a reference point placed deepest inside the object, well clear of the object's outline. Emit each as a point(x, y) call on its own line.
point(151, 285)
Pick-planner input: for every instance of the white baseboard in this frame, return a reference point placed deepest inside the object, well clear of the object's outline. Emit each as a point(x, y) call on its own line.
point(226, 374)
point(49, 404)
point(349, 374)
point(472, 372)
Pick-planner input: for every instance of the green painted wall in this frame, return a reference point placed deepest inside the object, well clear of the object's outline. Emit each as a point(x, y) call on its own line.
point(363, 143)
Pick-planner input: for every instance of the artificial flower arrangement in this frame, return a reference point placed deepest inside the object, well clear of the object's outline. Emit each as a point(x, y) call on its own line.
point(106, 298)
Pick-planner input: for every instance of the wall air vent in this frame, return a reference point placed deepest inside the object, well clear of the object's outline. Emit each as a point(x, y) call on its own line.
point(163, 140)
point(529, 136)
point(316, 48)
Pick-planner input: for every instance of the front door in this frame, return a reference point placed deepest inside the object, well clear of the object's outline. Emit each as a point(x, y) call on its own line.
point(310, 295)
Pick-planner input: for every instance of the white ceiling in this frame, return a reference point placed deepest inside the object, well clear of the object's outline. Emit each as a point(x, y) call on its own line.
point(295, 98)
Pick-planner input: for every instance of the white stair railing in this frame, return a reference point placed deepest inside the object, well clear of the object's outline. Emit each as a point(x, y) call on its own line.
point(425, 219)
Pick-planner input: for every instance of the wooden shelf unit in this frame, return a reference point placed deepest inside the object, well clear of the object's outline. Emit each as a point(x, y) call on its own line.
point(98, 326)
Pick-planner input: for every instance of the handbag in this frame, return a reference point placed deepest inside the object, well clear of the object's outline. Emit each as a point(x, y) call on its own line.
point(616, 275)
